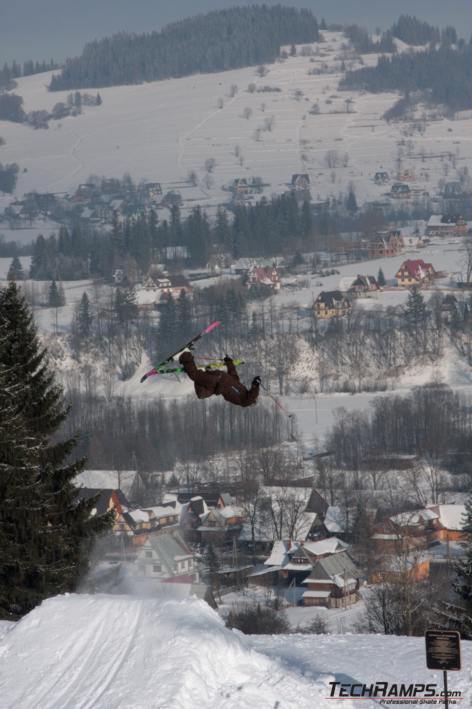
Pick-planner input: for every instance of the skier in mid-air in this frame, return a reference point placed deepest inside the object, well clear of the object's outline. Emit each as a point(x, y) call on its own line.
point(209, 383)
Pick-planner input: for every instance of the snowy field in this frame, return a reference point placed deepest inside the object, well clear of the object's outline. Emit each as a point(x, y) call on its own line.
point(120, 652)
point(161, 131)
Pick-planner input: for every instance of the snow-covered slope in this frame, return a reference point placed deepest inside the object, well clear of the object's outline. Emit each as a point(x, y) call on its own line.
point(161, 131)
point(119, 651)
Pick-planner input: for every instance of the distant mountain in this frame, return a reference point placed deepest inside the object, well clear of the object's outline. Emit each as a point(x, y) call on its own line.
point(217, 41)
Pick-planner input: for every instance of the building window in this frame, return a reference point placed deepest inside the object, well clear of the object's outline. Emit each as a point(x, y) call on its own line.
point(156, 568)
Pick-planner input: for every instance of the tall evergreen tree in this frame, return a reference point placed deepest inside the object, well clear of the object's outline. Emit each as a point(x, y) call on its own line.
point(83, 318)
point(56, 297)
point(463, 584)
point(381, 278)
point(15, 272)
point(21, 525)
point(416, 315)
point(184, 315)
point(68, 529)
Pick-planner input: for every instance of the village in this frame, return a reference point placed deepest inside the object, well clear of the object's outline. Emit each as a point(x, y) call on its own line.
point(285, 543)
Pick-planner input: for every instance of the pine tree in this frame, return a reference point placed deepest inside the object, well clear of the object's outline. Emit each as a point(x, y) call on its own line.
point(83, 318)
point(15, 272)
point(56, 298)
point(463, 584)
point(381, 278)
point(125, 305)
point(415, 315)
point(351, 201)
point(21, 575)
point(63, 550)
point(306, 219)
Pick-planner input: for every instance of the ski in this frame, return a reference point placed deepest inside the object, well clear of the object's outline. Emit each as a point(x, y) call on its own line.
point(208, 365)
point(205, 331)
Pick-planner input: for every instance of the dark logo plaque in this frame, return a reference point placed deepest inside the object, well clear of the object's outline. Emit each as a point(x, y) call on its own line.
point(443, 650)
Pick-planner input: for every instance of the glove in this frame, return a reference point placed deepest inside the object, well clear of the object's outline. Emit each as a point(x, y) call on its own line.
point(227, 360)
point(256, 382)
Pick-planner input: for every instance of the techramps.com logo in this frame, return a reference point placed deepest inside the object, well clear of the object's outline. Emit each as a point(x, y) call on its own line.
point(393, 693)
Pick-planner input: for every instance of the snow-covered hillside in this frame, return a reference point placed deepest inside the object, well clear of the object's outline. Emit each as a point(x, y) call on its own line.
point(161, 131)
point(110, 652)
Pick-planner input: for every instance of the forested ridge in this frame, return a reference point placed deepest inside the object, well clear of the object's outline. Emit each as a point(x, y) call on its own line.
point(217, 41)
point(444, 72)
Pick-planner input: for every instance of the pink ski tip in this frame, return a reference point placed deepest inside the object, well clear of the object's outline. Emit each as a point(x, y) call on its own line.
point(211, 327)
point(151, 373)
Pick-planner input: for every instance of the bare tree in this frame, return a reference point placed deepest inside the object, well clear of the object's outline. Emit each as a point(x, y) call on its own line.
point(220, 103)
point(247, 113)
point(262, 70)
point(233, 90)
point(210, 164)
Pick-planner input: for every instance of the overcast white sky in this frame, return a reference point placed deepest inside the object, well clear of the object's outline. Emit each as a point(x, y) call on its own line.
point(43, 29)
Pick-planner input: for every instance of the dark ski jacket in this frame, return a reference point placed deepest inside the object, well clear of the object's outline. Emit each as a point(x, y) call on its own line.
point(226, 384)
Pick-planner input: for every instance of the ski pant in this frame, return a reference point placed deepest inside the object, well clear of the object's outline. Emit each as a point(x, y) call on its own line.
point(215, 383)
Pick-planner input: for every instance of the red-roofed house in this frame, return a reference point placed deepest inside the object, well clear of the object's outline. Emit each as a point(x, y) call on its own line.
point(414, 272)
point(265, 276)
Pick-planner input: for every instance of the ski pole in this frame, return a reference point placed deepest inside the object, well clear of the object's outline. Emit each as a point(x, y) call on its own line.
point(277, 402)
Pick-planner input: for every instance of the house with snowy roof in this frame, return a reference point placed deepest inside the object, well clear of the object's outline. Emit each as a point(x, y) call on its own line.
point(450, 522)
point(331, 304)
point(415, 273)
point(413, 529)
point(363, 284)
point(293, 561)
point(333, 582)
point(267, 276)
point(164, 285)
point(166, 556)
point(220, 524)
point(446, 225)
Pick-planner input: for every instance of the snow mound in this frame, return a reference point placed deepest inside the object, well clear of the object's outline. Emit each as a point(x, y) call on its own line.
point(80, 651)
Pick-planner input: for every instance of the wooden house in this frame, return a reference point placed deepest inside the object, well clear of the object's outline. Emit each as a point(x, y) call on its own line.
point(386, 244)
point(333, 583)
point(364, 284)
point(166, 556)
point(267, 276)
point(451, 523)
point(165, 285)
point(414, 273)
point(108, 500)
point(443, 225)
point(331, 304)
